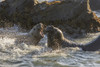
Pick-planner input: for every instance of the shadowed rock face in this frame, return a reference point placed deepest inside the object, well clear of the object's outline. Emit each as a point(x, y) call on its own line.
point(95, 4)
point(18, 5)
point(11, 6)
point(17, 12)
point(69, 14)
point(75, 14)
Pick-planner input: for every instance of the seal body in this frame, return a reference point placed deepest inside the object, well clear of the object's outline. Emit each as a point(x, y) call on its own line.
point(56, 39)
point(92, 46)
point(33, 37)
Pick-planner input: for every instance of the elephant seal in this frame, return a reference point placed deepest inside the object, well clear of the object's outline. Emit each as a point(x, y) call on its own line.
point(57, 40)
point(34, 35)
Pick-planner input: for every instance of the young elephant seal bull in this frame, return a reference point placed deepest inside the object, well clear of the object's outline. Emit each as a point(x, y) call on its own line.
point(56, 40)
point(33, 37)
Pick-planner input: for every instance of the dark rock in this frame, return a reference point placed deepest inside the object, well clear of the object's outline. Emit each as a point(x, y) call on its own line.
point(71, 15)
point(95, 4)
point(17, 11)
point(18, 5)
point(76, 14)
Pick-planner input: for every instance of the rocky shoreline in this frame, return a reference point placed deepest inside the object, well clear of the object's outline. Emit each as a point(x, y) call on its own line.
point(72, 16)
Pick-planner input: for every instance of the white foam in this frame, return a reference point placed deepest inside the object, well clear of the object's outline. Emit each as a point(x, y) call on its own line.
point(10, 52)
point(97, 13)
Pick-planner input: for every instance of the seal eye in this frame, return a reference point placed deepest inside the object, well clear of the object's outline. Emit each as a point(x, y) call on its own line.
point(34, 29)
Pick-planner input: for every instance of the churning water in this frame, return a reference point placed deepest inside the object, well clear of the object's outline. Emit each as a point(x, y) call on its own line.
point(97, 13)
point(23, 55)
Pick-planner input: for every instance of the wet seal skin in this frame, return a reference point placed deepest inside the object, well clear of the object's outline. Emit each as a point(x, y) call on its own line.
point(33, 37)
point(57, 40)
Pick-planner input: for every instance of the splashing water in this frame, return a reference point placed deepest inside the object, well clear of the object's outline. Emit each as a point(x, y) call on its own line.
point(23, 55)
point(97, 13)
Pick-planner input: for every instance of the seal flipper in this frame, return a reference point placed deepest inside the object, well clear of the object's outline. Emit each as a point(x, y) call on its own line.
point(67, 43)
point(93, 45)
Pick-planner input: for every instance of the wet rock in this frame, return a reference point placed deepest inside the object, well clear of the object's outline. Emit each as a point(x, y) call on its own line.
point(95, 4)
point(17, 11)
point(18, 5)
point(70, 15)
point(75, 14)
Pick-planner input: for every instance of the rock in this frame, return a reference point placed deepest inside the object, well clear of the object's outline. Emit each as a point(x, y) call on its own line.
point(74, 13)
point(95, 4)
point(17, 11)
point(71, 15)
point(19, 5)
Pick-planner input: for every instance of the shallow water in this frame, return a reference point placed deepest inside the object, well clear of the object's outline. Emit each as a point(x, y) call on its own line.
point(23, 55)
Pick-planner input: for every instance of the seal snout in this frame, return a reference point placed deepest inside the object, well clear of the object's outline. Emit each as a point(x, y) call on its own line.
point(41, 29)
point(49, 28)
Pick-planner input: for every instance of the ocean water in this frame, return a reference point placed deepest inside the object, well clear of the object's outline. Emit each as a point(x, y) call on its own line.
point(23, 55)
point(97, 13)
